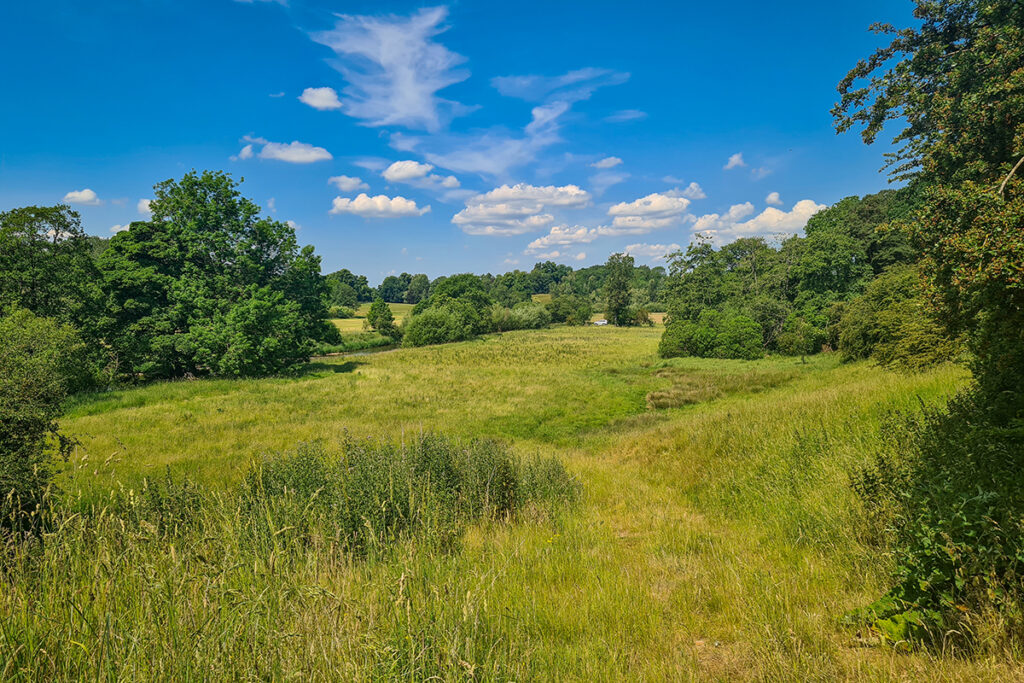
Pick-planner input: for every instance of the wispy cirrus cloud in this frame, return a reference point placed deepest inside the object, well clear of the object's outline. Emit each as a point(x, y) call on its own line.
point(394, 68)
point(571, 86)
point(625, 115)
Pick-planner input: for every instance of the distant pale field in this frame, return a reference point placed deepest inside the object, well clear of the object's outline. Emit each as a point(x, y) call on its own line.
point(345, 325)
point(717, 537)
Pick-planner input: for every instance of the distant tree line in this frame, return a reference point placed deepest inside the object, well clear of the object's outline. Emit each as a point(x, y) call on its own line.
point(808, 293)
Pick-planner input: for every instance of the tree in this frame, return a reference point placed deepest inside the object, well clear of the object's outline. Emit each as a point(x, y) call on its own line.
point(46, 265)
point(40, 363)
point(206, 286)
point(616, 288)
point(419, 287)
point(382, 320)
point(392, 290)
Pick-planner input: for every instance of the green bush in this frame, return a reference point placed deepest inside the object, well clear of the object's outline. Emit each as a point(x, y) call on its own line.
point(712, 336)
point(382, 320)
point(570, 309)
point(341, 312)
point(372, 494)
point(891, 324)
point(41, 360)
point(529, 315)
point(945, 491)
point(438, 326)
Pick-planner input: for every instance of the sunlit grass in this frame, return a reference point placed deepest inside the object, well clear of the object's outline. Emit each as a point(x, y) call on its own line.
point(716, 539)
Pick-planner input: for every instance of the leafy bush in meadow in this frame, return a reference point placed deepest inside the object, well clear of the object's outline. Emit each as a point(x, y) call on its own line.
point(712, 336)
point(41, 361)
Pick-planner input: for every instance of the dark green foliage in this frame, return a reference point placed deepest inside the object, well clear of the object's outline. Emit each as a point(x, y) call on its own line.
point(449, 322)
point(208, 287)
point(799, 337)
point(382, 320)
point(892, 324)
point(371, 494)
point(341, 282)
point(570, 309)
point(41, 361)
point(712, 336)
point(341, 312)
point(616, 289)
point(419, 289)
point(956, 82)
point(958, 548)
point(393, 288)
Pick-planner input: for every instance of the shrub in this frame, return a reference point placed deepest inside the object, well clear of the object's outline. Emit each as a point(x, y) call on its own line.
point(570, 309)
point(891, 324)
point(712, 336)
point(437, 326)
point(341, 312)
point(382, 320)
point(40, 361)
point(946, 484)
point(530, 316)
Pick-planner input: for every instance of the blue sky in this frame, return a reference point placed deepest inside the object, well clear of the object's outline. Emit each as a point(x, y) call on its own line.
point(472, 136)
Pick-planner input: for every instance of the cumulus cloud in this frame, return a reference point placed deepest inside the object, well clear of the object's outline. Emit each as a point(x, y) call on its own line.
point(760, 172)
point(773, 199)
point(406, 170)
point(771, 221)
point(86, 197)
point(143, 207)
point(380, 206)
point(735, 161)
point(625, 115)
point(607, 162)
point(323, 99)
point(395, 68)
point(517, 209)
point(562, 235)
point(119, 228)
point(652, 252)
point(656, 210)
point(292, 152)
point(572, 86)
point(580, 256)
point(347, 183)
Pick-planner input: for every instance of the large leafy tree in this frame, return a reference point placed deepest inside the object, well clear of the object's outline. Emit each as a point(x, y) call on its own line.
point(46, 265)
point(616, 288)
point(208, 287)
point(956, 82)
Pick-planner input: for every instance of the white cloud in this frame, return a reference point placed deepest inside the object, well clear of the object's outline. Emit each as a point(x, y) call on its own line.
point(771, 221)
point(760, 172)
point(773, 199)
point(516, 209)
point(626, 115)
point(292, 152)
point(323, 99)
point(572, 86)
point(511, 262)
point(693, 191)
point(406, 170)
point(607, 162)
point(549, 255)
point(86, 197)
point(272, 205)
point(380, 206)
point(580, 256)
point(347, 183)
point(562, 235)
point(143, 207)
point(735, 161)
point(119, 228)
point(293, 225)
point(713, 222)
point(394, 68)
point(418, 175)
point(656, 210)
point(652, 252)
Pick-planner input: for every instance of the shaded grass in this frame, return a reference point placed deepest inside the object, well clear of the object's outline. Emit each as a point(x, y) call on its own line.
point(715, 540)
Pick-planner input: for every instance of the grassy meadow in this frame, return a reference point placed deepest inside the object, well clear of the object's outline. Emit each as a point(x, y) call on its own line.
point(715, 538)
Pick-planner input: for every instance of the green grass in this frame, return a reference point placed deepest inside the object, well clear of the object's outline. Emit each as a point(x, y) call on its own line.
point(716, 538)
point(351, 325)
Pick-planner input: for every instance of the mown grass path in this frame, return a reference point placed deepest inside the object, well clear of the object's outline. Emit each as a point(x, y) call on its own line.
point(717, 538)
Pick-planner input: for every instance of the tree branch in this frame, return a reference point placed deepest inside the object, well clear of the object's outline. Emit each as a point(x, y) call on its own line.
point(1008, 176)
